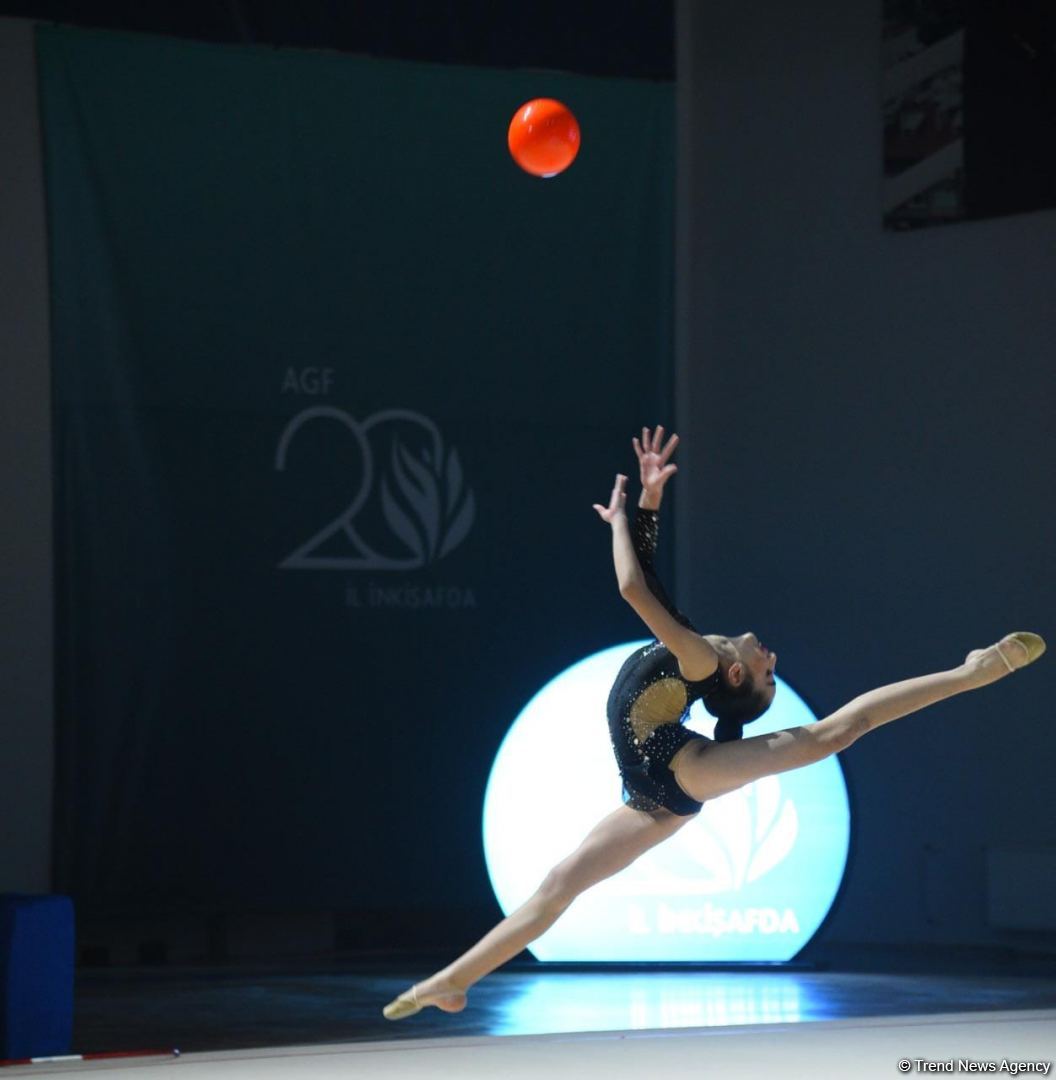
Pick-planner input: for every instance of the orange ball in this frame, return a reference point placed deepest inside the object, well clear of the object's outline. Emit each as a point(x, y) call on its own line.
point(543, 137)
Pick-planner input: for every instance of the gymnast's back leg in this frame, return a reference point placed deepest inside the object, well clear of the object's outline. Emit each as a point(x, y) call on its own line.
point(614, 843)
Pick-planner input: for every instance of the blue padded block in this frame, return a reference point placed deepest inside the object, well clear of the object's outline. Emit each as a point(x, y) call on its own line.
point(36, 975)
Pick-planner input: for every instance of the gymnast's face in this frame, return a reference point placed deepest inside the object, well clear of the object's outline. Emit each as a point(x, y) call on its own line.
point(757, 661)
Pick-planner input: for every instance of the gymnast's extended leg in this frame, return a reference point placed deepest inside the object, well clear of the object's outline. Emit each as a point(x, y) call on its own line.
point(610, 846)
point(707, 770)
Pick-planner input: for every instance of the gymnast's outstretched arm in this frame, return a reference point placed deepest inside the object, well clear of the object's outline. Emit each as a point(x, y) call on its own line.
point(696, 657)
point(655, 469)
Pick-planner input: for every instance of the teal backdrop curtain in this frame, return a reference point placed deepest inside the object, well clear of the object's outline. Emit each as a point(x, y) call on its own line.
point(335, 387)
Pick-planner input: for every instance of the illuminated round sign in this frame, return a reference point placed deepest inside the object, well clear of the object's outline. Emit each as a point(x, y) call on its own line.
point(750, 878)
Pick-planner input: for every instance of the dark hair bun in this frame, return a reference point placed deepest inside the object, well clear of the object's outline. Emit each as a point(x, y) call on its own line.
point(727, 729)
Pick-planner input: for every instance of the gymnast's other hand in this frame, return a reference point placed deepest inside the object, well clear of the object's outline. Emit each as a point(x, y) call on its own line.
point(653, 463)
point(617, 502)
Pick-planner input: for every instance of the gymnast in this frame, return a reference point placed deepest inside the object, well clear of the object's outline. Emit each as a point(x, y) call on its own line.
point(669, 771)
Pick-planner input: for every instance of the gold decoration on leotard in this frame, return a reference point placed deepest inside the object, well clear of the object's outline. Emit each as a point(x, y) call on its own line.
point(663, 702)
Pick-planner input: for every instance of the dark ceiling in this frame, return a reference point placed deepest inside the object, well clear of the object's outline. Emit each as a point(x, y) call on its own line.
point(634, 38)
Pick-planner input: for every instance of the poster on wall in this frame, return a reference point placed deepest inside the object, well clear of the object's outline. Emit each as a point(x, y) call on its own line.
point(969, 110)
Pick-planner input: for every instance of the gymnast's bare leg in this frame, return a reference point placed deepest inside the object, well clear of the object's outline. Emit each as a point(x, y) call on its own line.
point(615, 842)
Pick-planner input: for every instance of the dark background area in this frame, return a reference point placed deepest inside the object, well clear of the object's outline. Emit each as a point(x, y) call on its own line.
point(1010, 107)
point(590, 37)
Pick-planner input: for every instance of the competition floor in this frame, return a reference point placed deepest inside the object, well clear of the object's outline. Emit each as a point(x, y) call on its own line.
point(576, 1024)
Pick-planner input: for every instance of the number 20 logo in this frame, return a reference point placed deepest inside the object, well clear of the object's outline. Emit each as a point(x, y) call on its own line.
point(411, 506)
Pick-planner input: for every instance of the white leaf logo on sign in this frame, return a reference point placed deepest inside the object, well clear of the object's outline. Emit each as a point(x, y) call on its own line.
point(741, 836)
point(422, 497)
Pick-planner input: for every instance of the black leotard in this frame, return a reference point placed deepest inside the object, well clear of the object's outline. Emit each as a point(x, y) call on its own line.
point(650, 701)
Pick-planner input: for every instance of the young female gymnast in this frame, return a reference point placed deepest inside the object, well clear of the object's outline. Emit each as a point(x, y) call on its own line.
point(668, 771)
